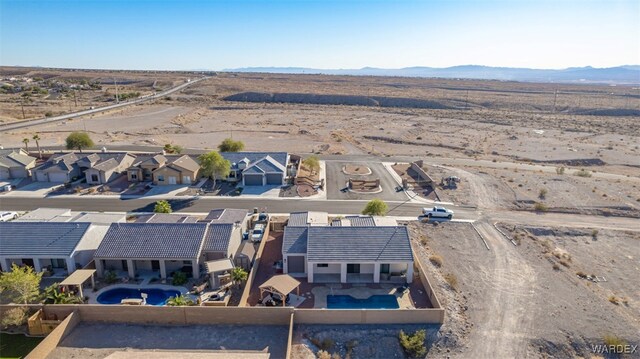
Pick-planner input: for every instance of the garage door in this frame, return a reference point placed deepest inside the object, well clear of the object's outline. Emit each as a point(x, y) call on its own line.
point(296, 264)
point(253, 180)
point(173, 180)
point(42, 177)
point(57, 177)
point(274, 178)
point(18, 173)
point(4, 174)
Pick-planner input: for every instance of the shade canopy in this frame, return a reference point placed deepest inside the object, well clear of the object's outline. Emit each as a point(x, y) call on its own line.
point(219, 265)
point(78, 277)
point(282, 284)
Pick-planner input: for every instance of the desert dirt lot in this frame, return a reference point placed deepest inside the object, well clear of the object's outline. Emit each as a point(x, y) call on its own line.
point(528, 300)
point(483, 119)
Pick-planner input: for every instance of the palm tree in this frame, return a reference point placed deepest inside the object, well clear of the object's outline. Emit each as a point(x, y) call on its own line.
point(239, 275)
point(26, 143)
point(179, 301)
point(37, 138)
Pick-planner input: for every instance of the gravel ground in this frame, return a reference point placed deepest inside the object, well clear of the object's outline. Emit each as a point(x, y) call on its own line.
point(92, 340)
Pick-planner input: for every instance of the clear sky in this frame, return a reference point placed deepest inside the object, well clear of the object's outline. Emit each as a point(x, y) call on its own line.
point(185, 35)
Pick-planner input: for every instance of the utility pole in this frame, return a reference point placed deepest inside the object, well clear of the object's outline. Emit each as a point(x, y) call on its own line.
point(116, 85)
point(555, 99)
point(75, 98)
point(22, 105)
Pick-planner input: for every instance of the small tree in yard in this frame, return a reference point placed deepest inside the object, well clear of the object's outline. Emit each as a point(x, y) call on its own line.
point(229, 145)
point(14, 317)
point(413, 344)
point(375, 207)
point(162, 206)
point(37, 139)
point(26, 144)
point(21, 285)
point(312, 162)
point(213, 165)
point(239, 275)
point(79, 140)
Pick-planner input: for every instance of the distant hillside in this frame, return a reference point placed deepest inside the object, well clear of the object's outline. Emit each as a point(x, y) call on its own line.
point(629, 74)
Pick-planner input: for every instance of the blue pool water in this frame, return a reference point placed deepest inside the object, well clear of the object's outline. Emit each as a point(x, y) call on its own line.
point(373, 302)
point(154, 296)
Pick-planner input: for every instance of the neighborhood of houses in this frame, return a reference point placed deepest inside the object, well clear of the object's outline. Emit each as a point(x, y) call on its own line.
point(321, 268)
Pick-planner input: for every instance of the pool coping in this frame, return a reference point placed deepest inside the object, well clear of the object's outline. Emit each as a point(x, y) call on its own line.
point(93, 296)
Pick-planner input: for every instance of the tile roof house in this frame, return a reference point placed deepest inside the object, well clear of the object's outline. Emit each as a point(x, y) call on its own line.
point(164, 169)
point(97, 168)
point(59, 247)
point(15, 164)
point(335, 254)
point(164, 248)
point(258, 168)
point(297, 219)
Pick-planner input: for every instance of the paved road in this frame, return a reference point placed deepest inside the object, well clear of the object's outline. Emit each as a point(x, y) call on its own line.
point(206, 204)
point(29, 123)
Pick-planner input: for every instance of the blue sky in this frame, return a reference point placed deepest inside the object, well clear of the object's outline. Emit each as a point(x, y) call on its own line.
point(178, 35)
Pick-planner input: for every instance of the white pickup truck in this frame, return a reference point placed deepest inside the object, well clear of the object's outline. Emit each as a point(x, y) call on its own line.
point(437, 212)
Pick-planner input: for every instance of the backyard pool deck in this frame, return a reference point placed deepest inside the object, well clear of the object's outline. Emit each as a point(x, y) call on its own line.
point(316, 293)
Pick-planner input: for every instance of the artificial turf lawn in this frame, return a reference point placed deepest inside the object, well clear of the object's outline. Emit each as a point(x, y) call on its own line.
point(16, 345)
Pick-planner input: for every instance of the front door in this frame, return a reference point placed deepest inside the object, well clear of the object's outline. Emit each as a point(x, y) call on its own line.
point(155, 265)
point(353, 268)
point(172, 180)
point(28, 262)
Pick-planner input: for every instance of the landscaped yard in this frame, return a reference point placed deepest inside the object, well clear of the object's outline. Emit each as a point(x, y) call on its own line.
point(16, 345)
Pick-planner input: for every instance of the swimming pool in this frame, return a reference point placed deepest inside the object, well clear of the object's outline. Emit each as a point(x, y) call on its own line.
point(155, 296)
point(373, 302)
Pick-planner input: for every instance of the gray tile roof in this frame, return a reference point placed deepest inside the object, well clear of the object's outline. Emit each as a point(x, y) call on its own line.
point(358, 244)
point(227, 215)
point(297, 219)
point(217, 238)
point(294, 240)
point(355, 221)
point(51, 239)
point(152, 241)
point(13, 158)
point(235, 157)
point(165, 218)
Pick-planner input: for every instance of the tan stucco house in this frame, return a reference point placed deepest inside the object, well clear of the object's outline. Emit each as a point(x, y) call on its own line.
point(164, 170)
point(15, 164)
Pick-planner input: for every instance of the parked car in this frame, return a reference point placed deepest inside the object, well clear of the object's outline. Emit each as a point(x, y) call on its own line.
point(257, 233)
point(8, 216)
point(6, 188)
point(437, 212)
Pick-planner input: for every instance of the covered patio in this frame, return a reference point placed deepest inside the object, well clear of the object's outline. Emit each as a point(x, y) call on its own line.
point(216, 270)
point(281, 285)
point(78, 278)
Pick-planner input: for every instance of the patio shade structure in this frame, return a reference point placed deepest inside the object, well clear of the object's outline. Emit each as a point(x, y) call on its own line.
point(78, 277)
point(282, 284)
point(216, 267)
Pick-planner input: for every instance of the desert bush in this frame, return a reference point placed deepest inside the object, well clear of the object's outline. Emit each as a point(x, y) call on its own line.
point(351, 344)
point(613, 299)
point(48, 114)
point(560, 170)
point(452, 280)
point(91, 190)
point(556, 266)
point(413, 344)
point(14, 317)
point(614, 340)
point(436, 260)
point(179, 278)
point(543, 193)
point(582, 173)
point(565, 263)
point(540, 207)
point(581, 274)
point(594, 234)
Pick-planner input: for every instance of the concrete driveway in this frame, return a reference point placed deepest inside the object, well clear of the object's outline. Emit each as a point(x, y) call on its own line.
point(35, 189)
point(336, 181)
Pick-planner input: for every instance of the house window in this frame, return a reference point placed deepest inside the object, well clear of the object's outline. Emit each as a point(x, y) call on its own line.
point(58, 263)
point(384, 268)
point(322, 265)
point(134, 176)
point(160, 178)
point(94, 178)
point(186, 262)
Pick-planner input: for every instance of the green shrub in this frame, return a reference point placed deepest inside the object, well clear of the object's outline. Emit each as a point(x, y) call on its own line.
point(560, 170)
point(179, 278)
point(616, 341)
point(540, 207)
point(582, 173)
point(413, 344)
point(14, 317)
point(110, 277)
point(543, 193)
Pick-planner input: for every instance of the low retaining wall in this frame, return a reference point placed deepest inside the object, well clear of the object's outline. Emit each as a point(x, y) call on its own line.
point(369, 316)
point(417, 167)
point(435, 303)
point(55, 337)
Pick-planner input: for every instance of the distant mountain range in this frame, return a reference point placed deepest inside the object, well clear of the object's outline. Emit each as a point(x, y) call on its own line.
point(629, 74)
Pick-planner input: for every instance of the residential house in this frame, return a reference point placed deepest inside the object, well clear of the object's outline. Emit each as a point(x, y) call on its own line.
point(159, 248)
point(258, 168)
point(65, 215)
point(142, 168)
point(336, 254)
point(301, 219)
point(164, 170)
point(60, 168)
point(239, 217)
point(59, 247)
point(101, 168)
point(15, 164)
